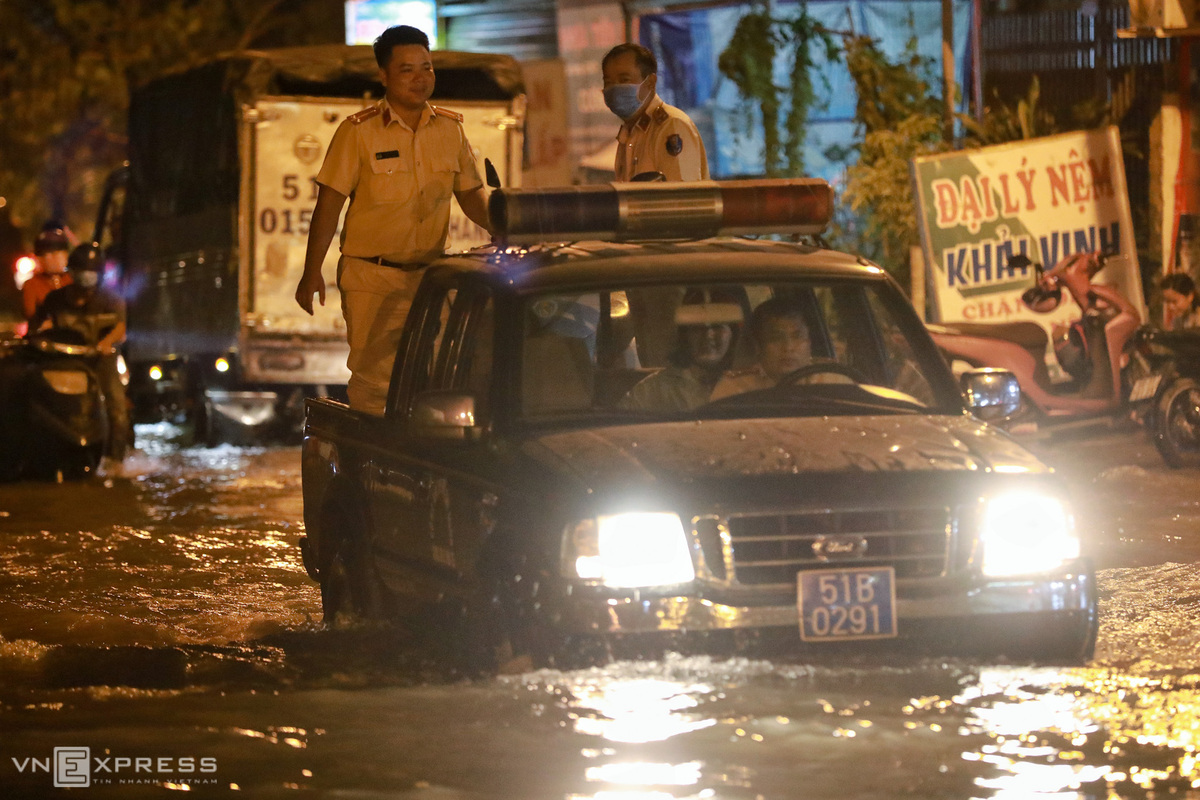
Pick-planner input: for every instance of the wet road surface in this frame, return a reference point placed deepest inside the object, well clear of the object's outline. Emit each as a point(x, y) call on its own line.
point(159, 616)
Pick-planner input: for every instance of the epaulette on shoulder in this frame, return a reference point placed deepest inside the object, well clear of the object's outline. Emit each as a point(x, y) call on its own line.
point(365, 114)
point(445, 112)
point(661, 115)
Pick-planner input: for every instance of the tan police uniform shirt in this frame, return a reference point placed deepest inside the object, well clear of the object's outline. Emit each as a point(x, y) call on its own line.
point(662, 139)
point(399, 181)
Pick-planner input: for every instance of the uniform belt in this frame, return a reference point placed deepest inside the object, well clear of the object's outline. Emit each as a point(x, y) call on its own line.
point(383, 262)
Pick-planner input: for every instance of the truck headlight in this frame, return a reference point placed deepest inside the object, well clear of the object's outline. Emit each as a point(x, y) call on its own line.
point(1025, 533)
point(630, 550)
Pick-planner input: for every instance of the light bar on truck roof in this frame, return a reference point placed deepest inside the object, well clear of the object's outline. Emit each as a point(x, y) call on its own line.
point(655, 210)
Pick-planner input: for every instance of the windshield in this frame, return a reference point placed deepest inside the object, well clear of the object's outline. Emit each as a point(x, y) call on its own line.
point(837, 347)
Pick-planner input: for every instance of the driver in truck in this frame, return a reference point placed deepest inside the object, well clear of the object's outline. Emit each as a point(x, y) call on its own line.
point(780, 332)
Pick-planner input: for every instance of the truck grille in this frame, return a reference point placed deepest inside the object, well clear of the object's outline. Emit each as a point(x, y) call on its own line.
point(771, 549)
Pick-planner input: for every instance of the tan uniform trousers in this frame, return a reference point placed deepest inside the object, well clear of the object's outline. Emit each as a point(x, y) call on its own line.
point(375, 303)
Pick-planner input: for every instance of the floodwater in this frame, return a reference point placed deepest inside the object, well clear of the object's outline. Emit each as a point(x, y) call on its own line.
point(159, 617)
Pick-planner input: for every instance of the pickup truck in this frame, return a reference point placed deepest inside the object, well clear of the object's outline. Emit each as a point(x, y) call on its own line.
point(623, 429)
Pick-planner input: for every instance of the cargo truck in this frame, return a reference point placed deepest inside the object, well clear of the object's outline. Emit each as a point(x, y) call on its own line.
point(205, 227)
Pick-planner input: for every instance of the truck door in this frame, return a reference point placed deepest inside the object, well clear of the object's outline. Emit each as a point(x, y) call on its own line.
point(428, 507)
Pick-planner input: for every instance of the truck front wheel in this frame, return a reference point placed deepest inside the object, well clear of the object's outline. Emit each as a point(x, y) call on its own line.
point(350, 591)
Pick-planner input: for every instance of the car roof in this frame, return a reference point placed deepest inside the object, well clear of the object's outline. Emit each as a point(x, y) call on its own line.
point(573, 264)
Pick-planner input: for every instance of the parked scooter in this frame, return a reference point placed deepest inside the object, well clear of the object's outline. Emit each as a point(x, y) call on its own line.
point(1091, 350)
point(1168, 397)
point(54, 425)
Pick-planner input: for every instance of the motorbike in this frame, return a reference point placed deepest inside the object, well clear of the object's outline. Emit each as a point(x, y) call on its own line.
point(1168, 395)
point(1096, 372)
point(55, 425)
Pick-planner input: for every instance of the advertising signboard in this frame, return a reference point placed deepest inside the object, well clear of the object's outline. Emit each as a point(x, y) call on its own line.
point(1044, 198)
point(587, 30)
point(366, 19)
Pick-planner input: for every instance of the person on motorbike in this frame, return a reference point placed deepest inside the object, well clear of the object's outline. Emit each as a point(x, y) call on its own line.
point(50, 250)
point(1180, 301)
point(98, 316)
point(1099, 305)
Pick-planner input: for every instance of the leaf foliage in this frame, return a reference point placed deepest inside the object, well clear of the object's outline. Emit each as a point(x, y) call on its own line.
point(66, 70)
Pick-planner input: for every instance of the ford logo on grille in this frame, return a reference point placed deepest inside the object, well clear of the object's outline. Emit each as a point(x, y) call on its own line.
point(827, 548)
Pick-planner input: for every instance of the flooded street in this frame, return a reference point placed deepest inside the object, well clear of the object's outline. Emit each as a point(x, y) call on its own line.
point(160, 617)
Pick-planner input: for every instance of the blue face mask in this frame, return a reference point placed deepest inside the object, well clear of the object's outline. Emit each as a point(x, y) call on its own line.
point(622, 99)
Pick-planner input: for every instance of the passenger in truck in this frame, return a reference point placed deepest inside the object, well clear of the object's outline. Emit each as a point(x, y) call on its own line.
point(708, 324)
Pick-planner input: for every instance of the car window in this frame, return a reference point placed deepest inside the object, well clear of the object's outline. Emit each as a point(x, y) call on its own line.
point(721, 350)
point(464, 359)
point(558, 352)
point(420, 345)
point(902, 372)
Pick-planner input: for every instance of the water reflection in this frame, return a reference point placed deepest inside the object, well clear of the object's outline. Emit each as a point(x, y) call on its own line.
point(637, 711)
point(1073, 733)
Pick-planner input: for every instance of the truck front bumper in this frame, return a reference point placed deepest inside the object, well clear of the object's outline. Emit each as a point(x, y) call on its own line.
point(1062, 603)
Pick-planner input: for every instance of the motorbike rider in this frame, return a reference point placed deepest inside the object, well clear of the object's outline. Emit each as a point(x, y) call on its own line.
point(1099, 304)
point(50, 250)
point(98, 316)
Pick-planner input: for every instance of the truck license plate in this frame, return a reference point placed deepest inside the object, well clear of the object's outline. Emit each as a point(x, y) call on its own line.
point(847, 604)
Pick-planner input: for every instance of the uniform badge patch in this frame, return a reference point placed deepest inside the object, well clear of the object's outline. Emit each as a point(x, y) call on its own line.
point(674, 144)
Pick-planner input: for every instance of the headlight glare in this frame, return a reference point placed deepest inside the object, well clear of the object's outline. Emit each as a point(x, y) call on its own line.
point(1024, 533)
point(632, 550)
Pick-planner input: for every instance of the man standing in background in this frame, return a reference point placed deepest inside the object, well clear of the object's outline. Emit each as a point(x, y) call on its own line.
point(654, 136)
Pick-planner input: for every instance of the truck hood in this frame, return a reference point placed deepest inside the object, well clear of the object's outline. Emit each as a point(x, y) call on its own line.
point(699, 451)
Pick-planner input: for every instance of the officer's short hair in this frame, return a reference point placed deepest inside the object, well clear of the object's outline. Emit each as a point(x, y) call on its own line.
point(776, 308)
point(644, 59)
point(395, 35)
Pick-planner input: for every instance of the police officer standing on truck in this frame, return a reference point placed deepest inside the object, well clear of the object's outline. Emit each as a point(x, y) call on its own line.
point(654, 136)
point(398, 162)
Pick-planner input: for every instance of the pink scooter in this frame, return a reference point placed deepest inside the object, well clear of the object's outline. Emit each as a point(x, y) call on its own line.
point(1091, 350)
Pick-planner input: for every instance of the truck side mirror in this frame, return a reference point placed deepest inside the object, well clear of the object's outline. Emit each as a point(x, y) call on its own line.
point(444, 414)
point(992, 394)
point(490, 175)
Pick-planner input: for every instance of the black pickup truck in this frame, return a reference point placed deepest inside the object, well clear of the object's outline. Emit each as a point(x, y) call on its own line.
point(624, 430)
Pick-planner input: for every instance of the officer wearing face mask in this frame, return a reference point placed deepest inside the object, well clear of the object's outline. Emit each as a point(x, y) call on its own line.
point(655, 137)
point(98, 316)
